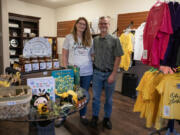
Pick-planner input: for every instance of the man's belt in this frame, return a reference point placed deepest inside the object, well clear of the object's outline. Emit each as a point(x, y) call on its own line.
point(105, 70)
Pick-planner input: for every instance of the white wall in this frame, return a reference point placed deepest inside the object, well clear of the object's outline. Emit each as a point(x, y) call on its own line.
point(5, 33)
point(96, 8)
point(47, 24)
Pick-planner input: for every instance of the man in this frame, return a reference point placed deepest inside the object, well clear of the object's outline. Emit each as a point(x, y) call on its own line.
point(107, 52)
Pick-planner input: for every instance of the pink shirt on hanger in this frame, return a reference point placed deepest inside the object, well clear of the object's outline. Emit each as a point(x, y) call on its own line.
point(153, 24)
point(162, 38)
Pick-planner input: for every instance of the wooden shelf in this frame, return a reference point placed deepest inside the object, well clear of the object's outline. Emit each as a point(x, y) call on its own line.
point(14, 36)
point(32, 28)
point(14, 56)
point(15, 28)
point(54, 46)
point(28, 37)
point(14, 48)
point(23, 21)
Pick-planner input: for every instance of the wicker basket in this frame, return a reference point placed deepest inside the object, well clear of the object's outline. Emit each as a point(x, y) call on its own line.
point(15, 101)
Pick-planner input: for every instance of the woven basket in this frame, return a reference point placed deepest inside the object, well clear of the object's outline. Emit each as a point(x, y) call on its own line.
point(15, 101)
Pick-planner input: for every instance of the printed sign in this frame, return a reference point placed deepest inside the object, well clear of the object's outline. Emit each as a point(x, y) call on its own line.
point(42, 85)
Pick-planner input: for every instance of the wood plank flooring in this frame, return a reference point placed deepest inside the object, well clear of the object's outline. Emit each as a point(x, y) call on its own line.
point(124, 121)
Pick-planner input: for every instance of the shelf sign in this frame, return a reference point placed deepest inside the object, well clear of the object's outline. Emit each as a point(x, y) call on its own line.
point(11, 103)
point(27, 30)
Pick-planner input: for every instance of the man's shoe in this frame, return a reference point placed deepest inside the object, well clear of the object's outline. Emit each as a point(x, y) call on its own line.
point(84, 121)
point(107, 123)
point(94, 121)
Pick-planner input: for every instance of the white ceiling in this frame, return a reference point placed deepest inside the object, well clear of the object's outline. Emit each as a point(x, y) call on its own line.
point(54, 3)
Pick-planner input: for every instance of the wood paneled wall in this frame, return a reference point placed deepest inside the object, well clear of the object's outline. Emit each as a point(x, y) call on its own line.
point(64, 28)
point(125, 19)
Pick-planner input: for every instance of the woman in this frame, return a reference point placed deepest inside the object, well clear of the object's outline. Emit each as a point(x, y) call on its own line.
point(77, 51)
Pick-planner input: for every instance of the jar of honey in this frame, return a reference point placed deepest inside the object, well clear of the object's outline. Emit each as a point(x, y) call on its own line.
point(56, 64)
point(27, 65)
point(35, 64)
point(42, 63)
point(48, 63)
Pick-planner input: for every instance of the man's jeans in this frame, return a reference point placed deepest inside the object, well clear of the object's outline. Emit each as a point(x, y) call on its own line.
point(100, 80)
point(85, 83)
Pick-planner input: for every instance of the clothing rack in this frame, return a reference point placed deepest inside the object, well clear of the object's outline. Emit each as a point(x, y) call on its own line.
point(170, 126)
point(170, 129)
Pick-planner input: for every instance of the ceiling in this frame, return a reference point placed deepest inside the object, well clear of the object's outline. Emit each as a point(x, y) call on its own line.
point(54, 3)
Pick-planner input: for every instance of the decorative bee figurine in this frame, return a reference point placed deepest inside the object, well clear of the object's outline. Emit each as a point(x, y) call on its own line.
point(40, 103)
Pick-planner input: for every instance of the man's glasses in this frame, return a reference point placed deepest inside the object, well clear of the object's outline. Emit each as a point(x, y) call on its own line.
point(103, 23)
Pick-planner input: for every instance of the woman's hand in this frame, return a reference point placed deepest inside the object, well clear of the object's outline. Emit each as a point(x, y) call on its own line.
point(167, 70)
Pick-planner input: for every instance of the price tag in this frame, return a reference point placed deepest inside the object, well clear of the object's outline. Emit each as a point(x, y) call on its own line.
point(145, 54)
point(45, 73)
point(166, 111)
point(178, 85)
point(11, 103)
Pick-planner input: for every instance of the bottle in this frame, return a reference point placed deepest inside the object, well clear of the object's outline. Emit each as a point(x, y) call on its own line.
point(48, 63)
point(35, 63)
point(56, 64)
point(42, 63)
point(27, 65)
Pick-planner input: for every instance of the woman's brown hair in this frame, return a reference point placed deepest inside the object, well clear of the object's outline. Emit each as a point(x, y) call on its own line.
point(86, 37)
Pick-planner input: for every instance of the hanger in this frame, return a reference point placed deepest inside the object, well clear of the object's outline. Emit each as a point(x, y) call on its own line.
point(128, 28)
point(153, 69)
point(178, 70)
point(158, 3)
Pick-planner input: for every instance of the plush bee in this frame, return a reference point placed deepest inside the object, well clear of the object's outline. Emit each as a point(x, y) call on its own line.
point(68, 97)
point(40, 103)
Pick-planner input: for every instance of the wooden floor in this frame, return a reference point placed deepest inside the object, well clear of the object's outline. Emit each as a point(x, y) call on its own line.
point(124, 121)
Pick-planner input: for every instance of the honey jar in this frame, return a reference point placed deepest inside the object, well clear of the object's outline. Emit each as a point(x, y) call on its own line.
point(56, 64)
point(42, 63)
point(48, 63)
point(27, 65)
point(35, 64)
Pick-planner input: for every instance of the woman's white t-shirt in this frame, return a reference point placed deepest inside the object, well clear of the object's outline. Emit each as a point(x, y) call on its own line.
point(79, 55)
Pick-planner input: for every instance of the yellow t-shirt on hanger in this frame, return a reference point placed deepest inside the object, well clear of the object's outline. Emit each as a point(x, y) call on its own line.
point(169, 88)
point(127, 46)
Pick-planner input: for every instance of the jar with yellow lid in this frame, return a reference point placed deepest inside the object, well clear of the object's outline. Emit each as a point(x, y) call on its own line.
point(42, 63)
point(27, 65)
point(56, 64)
point(48, 63)
point(35, 64)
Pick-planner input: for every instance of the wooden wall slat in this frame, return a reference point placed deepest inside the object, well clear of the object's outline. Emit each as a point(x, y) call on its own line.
point(64, 27)
point(125, 19)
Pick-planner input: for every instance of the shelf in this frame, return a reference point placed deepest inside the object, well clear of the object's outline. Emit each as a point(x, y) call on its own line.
point(32, 28)
point(14, 36)
point(14, 48)
point(14, 56)
point(28, 37)
point(23, 21)
point(15, 28)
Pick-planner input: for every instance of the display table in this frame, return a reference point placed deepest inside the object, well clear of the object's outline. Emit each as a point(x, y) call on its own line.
point(44, 124)
point(36, 74)
point(44, 111)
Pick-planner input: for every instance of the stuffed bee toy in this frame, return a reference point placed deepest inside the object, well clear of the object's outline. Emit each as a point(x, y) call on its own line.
point(68, 97)
point(40, 103)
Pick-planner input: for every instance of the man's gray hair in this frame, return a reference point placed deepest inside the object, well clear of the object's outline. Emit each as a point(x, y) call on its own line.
point(105, 17)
